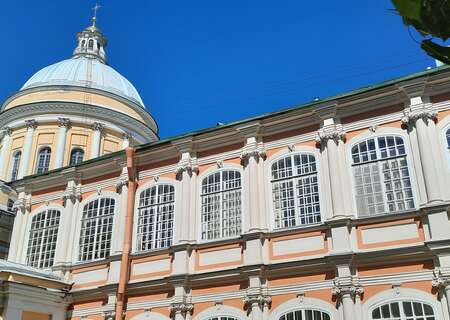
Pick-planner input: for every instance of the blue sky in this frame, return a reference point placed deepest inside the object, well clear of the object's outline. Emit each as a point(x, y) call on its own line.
point(196, 63)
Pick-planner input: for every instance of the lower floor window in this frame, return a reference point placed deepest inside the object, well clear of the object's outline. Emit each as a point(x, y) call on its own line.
point(306, 314)
point(405, 310)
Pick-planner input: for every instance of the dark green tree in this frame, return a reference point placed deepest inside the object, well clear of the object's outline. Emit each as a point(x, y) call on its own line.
point(431, 18)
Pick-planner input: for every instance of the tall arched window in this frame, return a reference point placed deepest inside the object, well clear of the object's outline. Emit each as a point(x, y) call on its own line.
point(43, 160)
point(381, 175)
point(447, 135)
point(221, 208)
point(305, 314)
point(42, 239)
point(91, 44)
point(15, 164)
point(404, 310)
point(76, 156)
point(295, 191)
point(155, 221)
point(96, 229)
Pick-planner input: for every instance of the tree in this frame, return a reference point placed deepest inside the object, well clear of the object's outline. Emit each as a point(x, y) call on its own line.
point(431, 18)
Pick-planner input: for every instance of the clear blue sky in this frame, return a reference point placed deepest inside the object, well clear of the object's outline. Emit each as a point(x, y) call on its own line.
point(199, 62)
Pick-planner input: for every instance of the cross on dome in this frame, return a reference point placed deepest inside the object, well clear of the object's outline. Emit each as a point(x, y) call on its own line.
point(91, 41)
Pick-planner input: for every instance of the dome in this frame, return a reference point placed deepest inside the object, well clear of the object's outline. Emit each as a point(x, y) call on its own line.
point(81, 71)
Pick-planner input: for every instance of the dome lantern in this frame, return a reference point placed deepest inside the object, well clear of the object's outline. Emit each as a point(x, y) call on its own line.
point(91, 41)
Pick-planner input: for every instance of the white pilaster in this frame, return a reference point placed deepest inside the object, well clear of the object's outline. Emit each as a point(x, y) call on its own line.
point(64, 124)
point(17, 249)
point(97, 127)
point(28, 143)
point(127, 138)
point(6, 145)
point(119, 223)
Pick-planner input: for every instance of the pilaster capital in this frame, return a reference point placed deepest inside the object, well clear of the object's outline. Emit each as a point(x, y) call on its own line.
point(347, 286)
point(109, 315)
point(31, 124)
point(257, 297)
point(441, 278)
point(181, 307)
point(23, 203)
point(425, 112)
point(126, 135)
point(72, 193)
point(256, 150)
point(187, 164)
point(122, 181)
point(333, 132)
point(98, 126)
point(6, 131)
point(64, 122)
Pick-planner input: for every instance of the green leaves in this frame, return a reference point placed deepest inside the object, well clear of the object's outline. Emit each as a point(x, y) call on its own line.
point(429, 18)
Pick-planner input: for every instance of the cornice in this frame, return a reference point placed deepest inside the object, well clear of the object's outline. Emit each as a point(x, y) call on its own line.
point(70, 108)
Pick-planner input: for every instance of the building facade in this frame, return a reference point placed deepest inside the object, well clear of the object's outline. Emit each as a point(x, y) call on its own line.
point(332, 210)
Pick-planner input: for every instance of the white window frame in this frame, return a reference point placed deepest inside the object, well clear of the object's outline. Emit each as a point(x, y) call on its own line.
point(37, 159)
point(177, 185)
point(70, 155)
point(11, 166)
point(24, 253)
point(383, 132)
point(221, 311)
point(77, 252)
point(156, 205)
point(401, 309)
point(399, 295)
point(305, 303)
point(206, 174)
point(299, 150)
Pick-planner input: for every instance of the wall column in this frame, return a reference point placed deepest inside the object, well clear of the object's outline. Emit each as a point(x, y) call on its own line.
point(64, 125)
point(4, 152)
point(97, 127)
point(257, 299)
point(23, 206)
point(181, 306)
point(26, 154)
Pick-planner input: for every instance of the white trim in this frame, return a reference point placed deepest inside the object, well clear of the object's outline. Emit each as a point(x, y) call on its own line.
point(285, 152)
point(76, 244)
point(303, 303)
point(244, 199)
point(149, 315)
point(401, 294)
point(36, 161)
point(221, 310)
point(23, 255)
point(11, 164)
point(443, 126)
point(177, 206)
point(381, 132)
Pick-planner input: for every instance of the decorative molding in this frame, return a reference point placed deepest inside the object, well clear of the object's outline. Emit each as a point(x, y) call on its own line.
point(425, 112)
point(347, 286)
point(256, 150)
point(64, 122)
point(126, 135)
point(187, 164)
point(23, 204)
point(181, 306)
point(109, 315)
point(373, 128)
point(332, 132)
point(6, 131)
point(257, 297)
point(441, 278)
point(121, 182)
point(31, 123)
point(98, 126)
point(72, 193)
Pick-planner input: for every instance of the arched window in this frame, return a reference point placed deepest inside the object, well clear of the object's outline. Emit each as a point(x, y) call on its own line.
point(15, 163)
point(222, 318)
point(96, 229)
point(76, 156)
point(91, 44)
point(381, 175)
point(155, 221)
point(43, 160)
point(295, 191)
point(42, 239)
point(447, 135)
point(404, 310)
point(83, 43)
point(221, 205)
point(305, 314)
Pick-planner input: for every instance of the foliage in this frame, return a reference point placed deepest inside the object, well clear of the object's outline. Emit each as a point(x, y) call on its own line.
point(431, 18)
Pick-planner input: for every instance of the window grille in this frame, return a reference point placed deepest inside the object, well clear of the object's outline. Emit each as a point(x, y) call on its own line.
point(221, 207)
point(381, 175)
point(76, 156)
point(15, 165)
point(305, 314)
point(156, 216)
point(42, 239)
point(295, 191)
point(43, 160)
point(404, 310)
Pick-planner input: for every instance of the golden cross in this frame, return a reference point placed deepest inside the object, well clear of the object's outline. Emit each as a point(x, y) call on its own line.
point(94, 18)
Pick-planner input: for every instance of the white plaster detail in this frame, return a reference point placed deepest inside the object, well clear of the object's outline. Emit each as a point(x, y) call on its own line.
point(298, 245)
point(390, 233)
point(220, 256)
point(151, 266)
